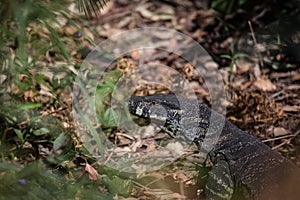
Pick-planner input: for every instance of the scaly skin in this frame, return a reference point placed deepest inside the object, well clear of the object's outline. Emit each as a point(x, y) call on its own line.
point(244, 167)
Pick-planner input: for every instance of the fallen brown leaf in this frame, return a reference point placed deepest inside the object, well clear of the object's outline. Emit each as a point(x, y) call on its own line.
point(28, 95)
point(135, 54)
point(70, 30)
point(181, 176)
point(279, 131)
point(264, 84)
point(165, 12)
point(289, 108)
point(93, 174)
point(89, 33)
point(296, 77)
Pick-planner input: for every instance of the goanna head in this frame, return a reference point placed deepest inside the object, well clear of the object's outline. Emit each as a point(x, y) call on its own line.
point(176, 115)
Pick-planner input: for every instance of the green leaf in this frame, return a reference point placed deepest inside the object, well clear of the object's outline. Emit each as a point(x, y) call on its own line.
point(119, 186)
point(19, 134)
point(66, 81)
point(5, 166)
point(112, 76)
point(10, 120)
point(58, 43)
point(41, 131)
point(25, 85)
point(226, 56)
point(109, 118)
point(239, 55)
point(29, 106)
point(40, 78)
point(60, 141)
point(102, 92)
point(55, 82)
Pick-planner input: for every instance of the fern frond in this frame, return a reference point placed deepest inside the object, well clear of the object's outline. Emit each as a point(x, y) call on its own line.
point(91, 7)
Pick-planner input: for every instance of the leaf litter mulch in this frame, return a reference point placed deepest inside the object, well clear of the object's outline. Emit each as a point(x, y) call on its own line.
point(262, 99)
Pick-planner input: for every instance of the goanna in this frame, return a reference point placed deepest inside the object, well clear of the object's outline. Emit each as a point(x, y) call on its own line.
point(243, 167)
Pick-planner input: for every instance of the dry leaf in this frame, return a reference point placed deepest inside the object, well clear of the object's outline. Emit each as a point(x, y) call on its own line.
point(264, 84)
point(164, 194)
point(70, 30)
point(28, 95)
point(153, 174)
point(296, 77)
point(201, 91)
point(293, 87)
point(279, 131)
point(289, 108)
point(89, 33)
point(135, 54)
point(46, 91)
point(151, 147)
point(181, 176)
point(2, 78)
point(175, 147)
point(244, 65)
point(165, 12)
point(246, 85)
point(93, 174)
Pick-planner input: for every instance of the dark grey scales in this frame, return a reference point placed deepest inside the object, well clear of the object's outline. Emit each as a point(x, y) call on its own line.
point(244, 167)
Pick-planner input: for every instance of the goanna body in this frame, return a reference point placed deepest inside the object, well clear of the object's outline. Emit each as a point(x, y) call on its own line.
point(244, 167)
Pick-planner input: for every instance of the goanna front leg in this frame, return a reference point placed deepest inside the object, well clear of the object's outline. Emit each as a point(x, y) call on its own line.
point(220, 184)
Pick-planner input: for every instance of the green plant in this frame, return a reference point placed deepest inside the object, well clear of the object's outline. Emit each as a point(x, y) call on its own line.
point(91, 6)
point(21, 45)
point(36, 181)
point(23, 42)
point(233, 57)
point(29, 131)
point(30, 31)
point(103, 93)
point(227, 7)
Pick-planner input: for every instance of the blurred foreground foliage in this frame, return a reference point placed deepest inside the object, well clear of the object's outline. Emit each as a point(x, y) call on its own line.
point(35, 181)
point(40, 155)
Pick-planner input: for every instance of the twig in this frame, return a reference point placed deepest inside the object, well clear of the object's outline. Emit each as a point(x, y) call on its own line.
point(279, 138)
point(181, 186)
point(278, 93)
point(109, 157)
point(126, 136)
point(140, 185)
point(155, 180)
point(280, 145)
point(255, 44)
point(282, 137)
